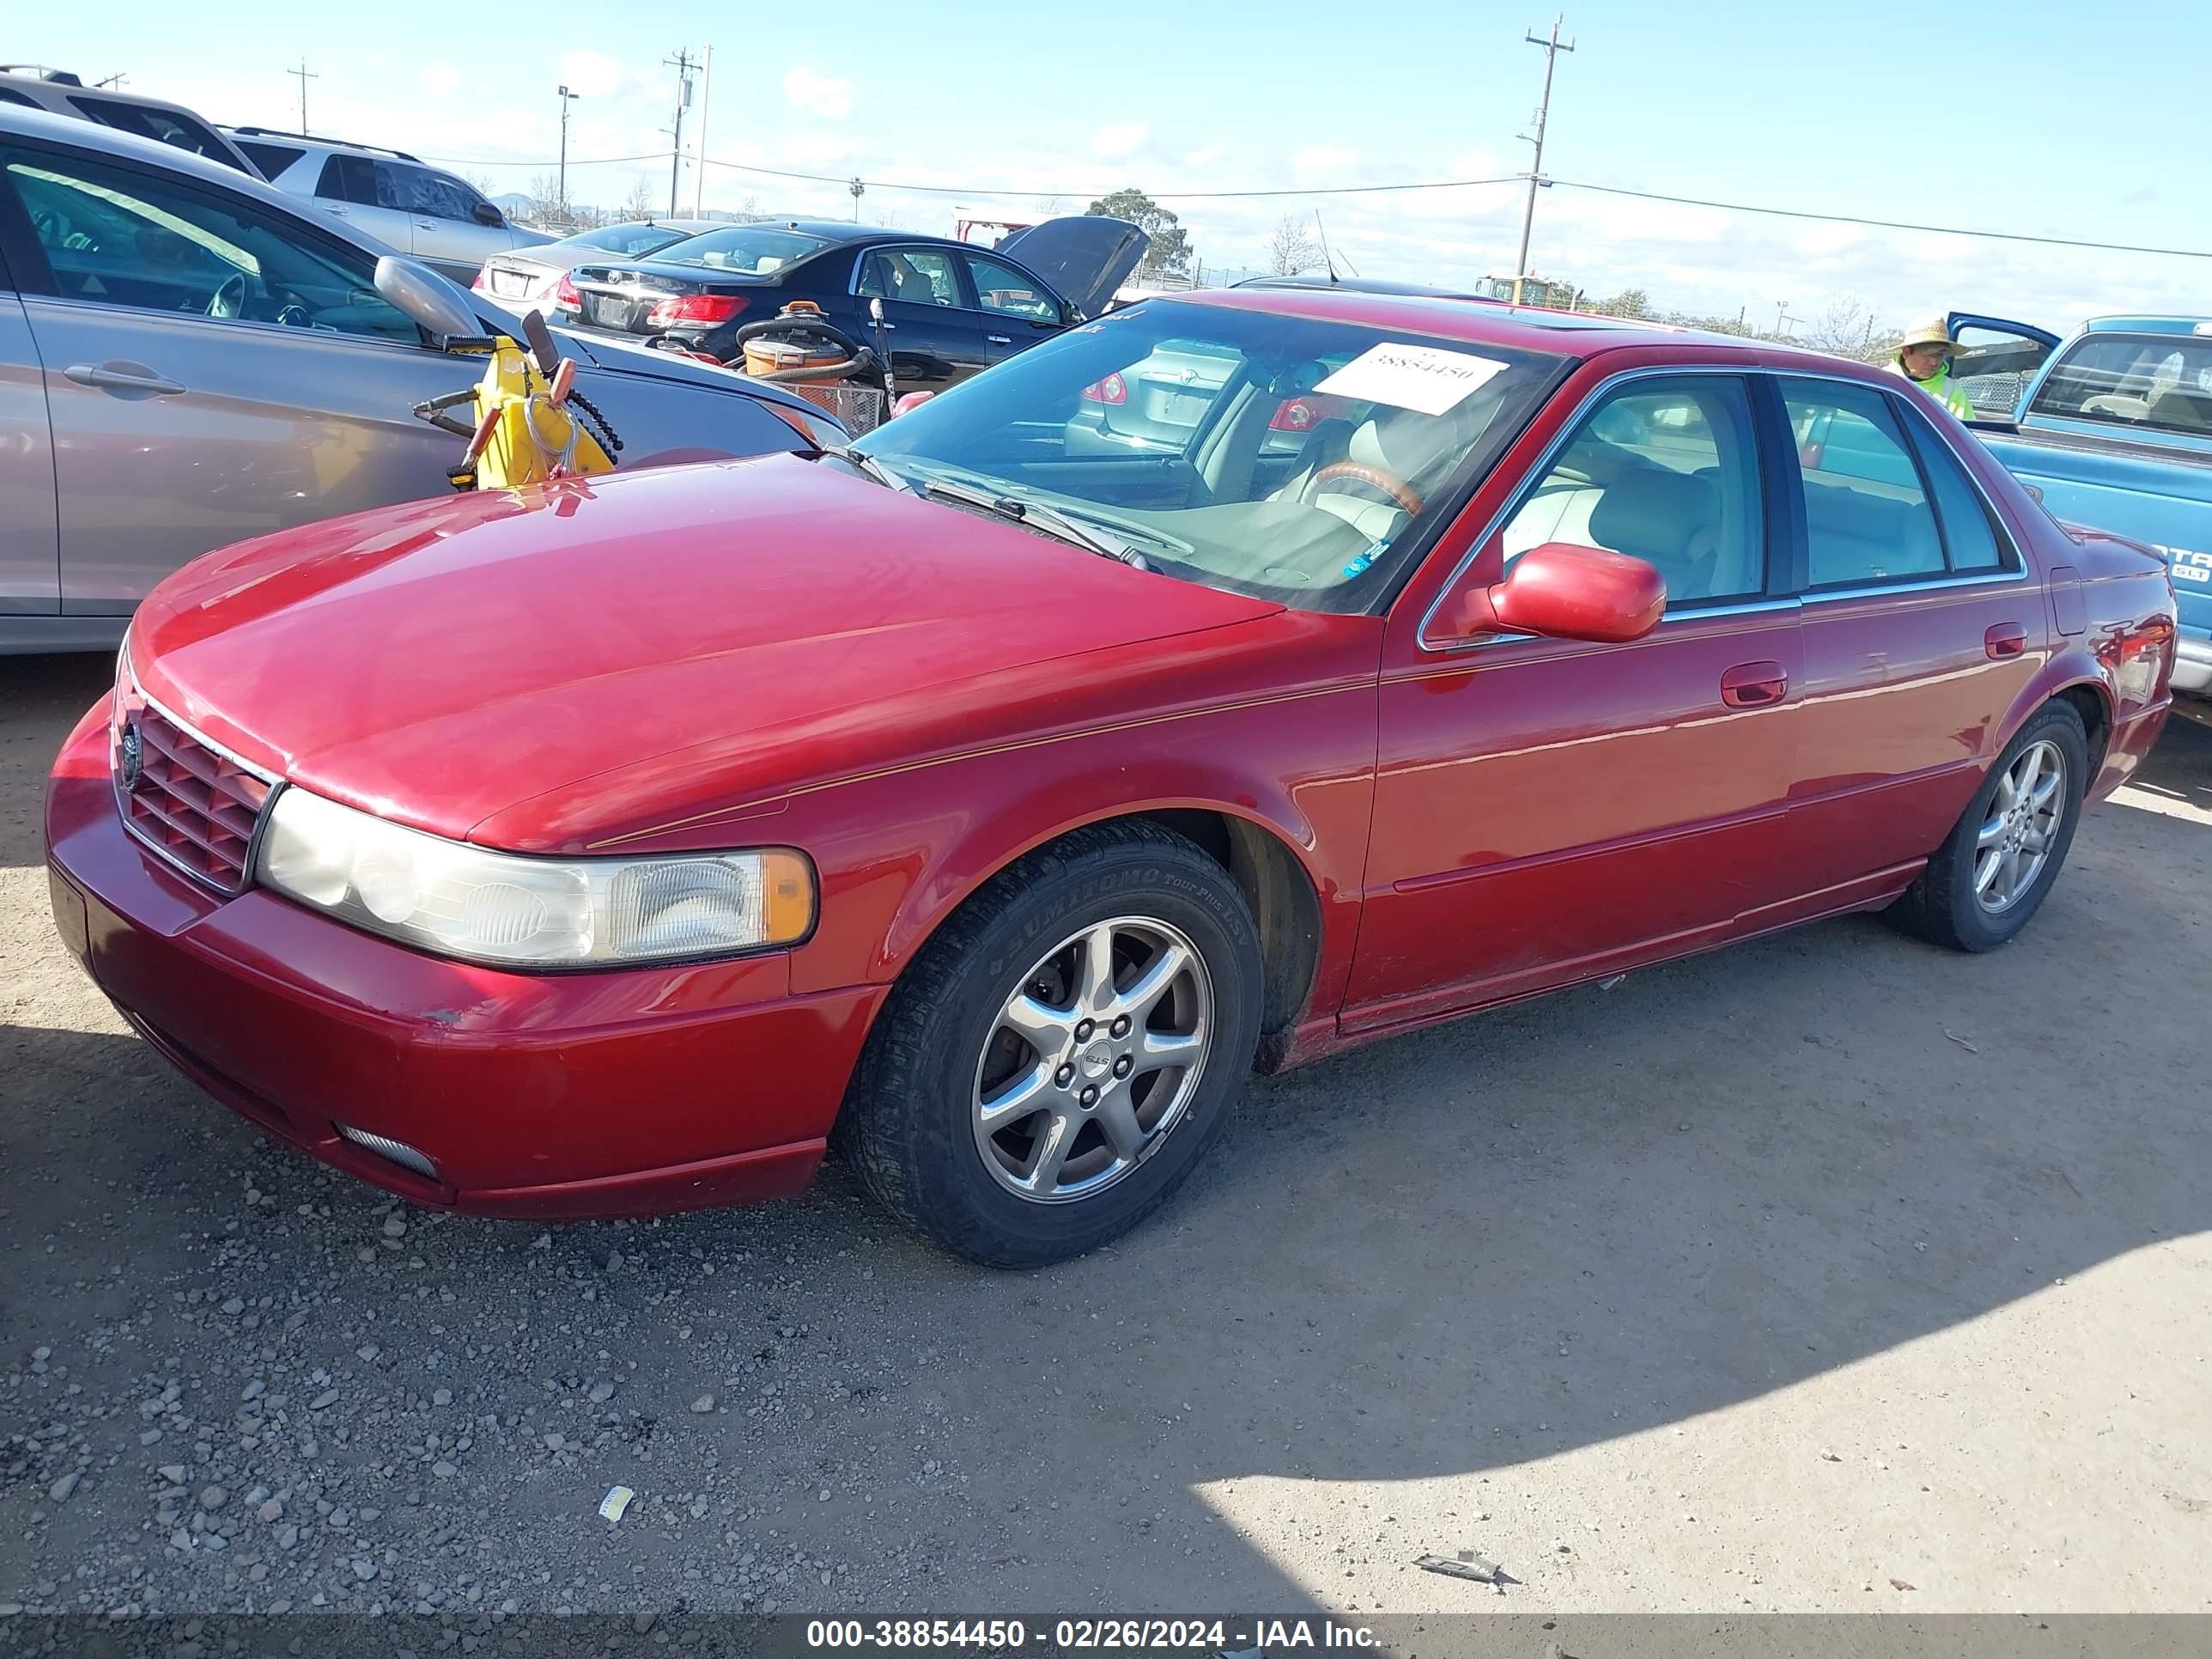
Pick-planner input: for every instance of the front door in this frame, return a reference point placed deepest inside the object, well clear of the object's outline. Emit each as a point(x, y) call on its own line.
point(1921, 626)
point(936, 338)
point(1016, 310)
point(214, 369)
point(30, 565)
point(1547, 809)
point(1997, 362)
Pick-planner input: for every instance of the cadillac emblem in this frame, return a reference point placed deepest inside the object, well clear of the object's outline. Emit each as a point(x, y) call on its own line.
point(127, 756)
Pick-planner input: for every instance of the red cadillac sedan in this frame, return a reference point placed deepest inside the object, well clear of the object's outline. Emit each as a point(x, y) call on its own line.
point(991, 796)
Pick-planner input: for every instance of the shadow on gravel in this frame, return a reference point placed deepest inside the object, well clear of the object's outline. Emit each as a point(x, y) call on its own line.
point(1566, 1222)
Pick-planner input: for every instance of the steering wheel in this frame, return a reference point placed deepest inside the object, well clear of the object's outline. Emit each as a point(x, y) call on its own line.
point(1403, 495)
point(228, 299)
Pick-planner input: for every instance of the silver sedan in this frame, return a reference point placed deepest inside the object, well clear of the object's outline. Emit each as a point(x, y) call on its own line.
point(189, 358)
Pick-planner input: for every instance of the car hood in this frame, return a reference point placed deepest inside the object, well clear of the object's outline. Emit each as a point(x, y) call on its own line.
point(446, 661)
point(1085, 257)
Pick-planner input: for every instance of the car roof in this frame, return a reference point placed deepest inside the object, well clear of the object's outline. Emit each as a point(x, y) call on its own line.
point(2199, 326)
point(1527, 328)
point(307, 140)
point(1364, 285)
point(98, 136)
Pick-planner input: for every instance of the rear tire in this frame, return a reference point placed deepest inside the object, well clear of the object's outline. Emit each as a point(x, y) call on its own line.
point(1062, 1053)
point(1996, 868)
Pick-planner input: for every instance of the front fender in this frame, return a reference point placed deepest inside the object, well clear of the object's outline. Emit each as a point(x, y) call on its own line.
point(900, 852)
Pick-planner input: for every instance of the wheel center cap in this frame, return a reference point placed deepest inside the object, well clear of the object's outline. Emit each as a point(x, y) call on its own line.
point(1096, 1060)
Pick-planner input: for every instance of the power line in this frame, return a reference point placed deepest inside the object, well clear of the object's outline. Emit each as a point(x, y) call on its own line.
point(1891, 224)
point(846, 182)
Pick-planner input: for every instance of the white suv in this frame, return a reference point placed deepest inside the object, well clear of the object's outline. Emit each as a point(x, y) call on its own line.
point(413, 208)
point(30, 86)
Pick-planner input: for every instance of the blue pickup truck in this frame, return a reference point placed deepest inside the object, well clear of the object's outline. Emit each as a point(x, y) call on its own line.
point(2111, 430)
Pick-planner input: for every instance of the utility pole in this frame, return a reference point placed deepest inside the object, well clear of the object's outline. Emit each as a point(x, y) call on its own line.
point(305, 75)
point(1780, 306)
point(856, 187)
point(699, 141)
point(1551, 51)
point(567, 99)
point(684, 63)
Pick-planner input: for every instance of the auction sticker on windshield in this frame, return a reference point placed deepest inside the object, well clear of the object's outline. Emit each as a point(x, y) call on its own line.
point(1424, 379)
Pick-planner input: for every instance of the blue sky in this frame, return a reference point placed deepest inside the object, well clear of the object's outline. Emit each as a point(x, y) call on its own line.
point(2029, 117)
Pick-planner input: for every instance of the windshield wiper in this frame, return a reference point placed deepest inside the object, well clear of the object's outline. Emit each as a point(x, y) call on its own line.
point(1035, 515)
point(867, 465)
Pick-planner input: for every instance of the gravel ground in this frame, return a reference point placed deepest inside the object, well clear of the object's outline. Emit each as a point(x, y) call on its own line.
point(1832, 1272)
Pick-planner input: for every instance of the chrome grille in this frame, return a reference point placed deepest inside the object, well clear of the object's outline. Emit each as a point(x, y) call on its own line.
point(191, 802)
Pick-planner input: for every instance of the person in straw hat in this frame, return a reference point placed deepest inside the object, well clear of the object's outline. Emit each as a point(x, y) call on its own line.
point(1924, 358)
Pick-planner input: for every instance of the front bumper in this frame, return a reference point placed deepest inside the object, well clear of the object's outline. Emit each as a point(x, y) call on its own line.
point(2192, 662)
point(549, 1095)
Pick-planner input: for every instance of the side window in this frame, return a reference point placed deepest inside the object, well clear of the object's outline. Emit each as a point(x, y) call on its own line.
point(1666, 470)
point(163, 126)
point(273, 160)
point(1001, 288)
point(433, 196)
point(115, 237)
point(917, 275)
point(1867, 518)
point(1972, 541)
point(2163, 382)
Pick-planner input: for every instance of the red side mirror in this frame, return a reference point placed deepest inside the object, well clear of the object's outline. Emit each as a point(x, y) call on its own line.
point(909, 400)
point(1565, 592)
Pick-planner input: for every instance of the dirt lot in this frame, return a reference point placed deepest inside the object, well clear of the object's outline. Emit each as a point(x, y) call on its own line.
point(1833, 1272)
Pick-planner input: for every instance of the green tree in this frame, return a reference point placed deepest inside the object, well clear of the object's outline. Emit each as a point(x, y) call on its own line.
point(1628, 302)
point(1170, 253)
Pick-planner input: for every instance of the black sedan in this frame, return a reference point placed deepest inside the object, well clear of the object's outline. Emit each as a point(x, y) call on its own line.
point(950, 309)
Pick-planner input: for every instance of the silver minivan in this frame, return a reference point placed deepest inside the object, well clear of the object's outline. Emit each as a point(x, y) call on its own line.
point(401, 201)
point(189, 358)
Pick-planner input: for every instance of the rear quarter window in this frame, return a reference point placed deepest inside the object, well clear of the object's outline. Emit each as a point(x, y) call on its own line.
point(273, 160)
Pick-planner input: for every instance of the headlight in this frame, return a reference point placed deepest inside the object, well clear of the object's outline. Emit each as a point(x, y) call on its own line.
point(461, 900)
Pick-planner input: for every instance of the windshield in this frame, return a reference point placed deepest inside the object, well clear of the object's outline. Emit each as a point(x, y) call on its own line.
point(2162, 382)
point(748, 250)
point(1278, 456)
point(631, 241)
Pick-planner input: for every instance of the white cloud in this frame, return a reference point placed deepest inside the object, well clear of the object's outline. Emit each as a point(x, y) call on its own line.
point(1322, 158)
point(441, 77)
point(594, 74)
point(825, 95)
point(1121, 140)
point(1205, 157)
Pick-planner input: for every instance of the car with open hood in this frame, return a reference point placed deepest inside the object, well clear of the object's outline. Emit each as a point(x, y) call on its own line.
point(988, 808)
point(950, 309)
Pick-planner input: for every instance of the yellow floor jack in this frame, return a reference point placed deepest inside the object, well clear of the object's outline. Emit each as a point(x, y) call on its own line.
point(531, 424)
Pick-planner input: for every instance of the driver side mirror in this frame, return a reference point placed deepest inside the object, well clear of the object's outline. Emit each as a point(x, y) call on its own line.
point(486, 214)
point(1561, 591)
point(909, 400)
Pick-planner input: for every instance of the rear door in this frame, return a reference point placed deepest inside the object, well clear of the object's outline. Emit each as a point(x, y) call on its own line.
point(1921, 627)
point(213, 368)
point(370, 196)
point(936, 335)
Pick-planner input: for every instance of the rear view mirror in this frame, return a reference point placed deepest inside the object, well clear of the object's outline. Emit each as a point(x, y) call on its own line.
point(426, 298)
point(1564, 591)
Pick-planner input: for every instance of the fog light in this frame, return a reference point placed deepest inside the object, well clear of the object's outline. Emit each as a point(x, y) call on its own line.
point(398, 1152)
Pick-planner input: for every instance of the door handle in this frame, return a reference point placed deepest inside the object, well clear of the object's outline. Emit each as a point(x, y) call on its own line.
point(1000, 339)
point(1753, 685)
point(2004, 639)
point(426, 224)
point(132, 377)
point(332, 207)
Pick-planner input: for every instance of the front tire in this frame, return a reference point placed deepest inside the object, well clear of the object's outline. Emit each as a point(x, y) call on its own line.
point(1994, 871)
point(1063, 1051)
